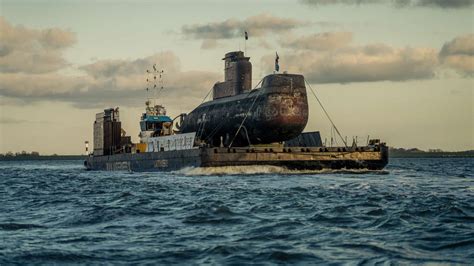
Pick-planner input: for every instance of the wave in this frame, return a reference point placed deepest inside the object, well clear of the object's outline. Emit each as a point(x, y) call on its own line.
point(236, 215)
point(213, 215)
point(15, 226)
point(266, 169)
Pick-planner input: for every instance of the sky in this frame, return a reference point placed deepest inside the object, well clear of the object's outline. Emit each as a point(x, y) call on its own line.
point(398, 70)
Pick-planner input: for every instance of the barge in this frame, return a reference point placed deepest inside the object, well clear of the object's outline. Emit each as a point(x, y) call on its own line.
point(240, 126)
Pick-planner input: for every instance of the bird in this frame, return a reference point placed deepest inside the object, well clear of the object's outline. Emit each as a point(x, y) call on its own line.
point(154, 67)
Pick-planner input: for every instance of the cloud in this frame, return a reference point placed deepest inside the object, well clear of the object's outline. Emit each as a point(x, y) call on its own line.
point(112, 83)
point(128, 78)
point(331, 2)
point(262, 27)
point(462, 45)
point(257, 26)
point(30, 60)
point(112, 68)
point(459, 54)
point(438, 3)
point(319, 41)
point(397, 3)
point(32, 51)
point(7, 120)
point(209, 44)
point(369, 63)
point(40, 85)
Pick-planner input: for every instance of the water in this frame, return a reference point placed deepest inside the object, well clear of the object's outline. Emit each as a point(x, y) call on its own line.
point(416, 211)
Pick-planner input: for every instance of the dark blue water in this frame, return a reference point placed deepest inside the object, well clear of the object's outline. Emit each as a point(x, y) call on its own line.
point(417, 211)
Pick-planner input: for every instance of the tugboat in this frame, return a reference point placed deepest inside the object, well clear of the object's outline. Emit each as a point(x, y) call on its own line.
point(238, 127)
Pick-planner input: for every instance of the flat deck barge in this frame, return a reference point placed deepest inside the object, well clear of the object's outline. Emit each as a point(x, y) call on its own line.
point(302, 158)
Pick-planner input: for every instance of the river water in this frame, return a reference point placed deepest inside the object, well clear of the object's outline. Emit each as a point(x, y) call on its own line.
point(415, 211)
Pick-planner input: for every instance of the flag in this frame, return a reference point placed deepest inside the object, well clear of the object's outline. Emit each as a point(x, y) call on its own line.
point(277, 66)
point(246, 36)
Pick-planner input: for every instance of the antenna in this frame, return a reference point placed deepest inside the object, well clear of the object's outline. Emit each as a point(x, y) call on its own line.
point(154, 81)
point(161, 82)
point(246, 36)
point(148, 84)
point(245, 47)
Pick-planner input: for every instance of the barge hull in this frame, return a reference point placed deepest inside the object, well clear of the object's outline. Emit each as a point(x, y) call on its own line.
point(301, 158)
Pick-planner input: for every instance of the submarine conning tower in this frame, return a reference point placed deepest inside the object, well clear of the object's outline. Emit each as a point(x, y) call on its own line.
point(238, 76)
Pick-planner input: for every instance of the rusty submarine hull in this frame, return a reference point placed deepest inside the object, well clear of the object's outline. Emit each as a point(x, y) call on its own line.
point(240, 126)
point(275, 112)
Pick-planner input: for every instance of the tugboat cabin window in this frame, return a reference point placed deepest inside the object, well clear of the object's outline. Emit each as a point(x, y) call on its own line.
point(150, 126)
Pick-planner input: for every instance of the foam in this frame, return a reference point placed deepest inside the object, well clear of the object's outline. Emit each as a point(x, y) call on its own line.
point(263, 169)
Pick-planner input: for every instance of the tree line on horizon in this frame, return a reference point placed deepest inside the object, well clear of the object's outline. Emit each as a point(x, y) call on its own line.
point(393, 150)
point(21, 154)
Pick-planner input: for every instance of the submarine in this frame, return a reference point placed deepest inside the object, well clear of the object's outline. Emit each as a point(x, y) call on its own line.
point(275, 112)
point(239, 126)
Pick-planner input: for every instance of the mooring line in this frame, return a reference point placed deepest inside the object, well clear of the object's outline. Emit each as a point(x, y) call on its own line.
point(324, 109)
point(247, 114)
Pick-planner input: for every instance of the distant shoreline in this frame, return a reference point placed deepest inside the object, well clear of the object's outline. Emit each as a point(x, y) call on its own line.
point(394, 153)
point(427, 156)
point(44, 158)
point(415, 153)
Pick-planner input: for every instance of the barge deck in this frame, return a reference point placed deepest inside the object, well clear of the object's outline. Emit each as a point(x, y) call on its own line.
point(301, 158)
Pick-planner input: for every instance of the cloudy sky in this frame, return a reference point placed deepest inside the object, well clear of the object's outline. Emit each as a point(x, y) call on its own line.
point(399, 70)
